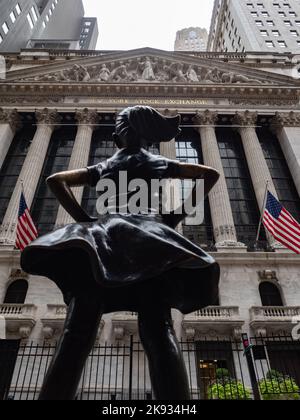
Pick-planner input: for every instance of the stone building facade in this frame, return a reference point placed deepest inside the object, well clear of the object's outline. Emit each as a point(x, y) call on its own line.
point(242, 25)
point(240, 115)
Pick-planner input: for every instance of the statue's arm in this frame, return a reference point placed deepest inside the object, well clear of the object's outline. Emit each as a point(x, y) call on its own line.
point(61, 183)
point(194, 171)
point(190, 171)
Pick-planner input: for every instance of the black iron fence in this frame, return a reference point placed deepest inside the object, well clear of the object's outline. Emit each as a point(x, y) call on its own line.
point(218, 369)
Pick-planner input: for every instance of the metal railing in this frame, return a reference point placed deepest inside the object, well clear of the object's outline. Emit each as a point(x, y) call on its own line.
point(217, 369)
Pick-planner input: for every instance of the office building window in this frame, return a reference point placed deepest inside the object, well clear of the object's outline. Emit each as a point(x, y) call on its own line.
point(33, 13)
point(30, 21)
point(282, 44)
point(5, 28)
point(18, 9)
point(270, 44)
point(276, 33)
point(12, 17)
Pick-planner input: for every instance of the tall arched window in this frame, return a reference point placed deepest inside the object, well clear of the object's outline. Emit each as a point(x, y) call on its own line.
point(16, 292)
point(270, 294)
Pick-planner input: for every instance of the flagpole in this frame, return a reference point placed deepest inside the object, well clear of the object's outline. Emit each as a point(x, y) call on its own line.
point(262, 212)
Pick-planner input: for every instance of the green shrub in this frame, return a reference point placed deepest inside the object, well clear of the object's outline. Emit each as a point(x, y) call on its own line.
point(276, 386)
point(228, 389)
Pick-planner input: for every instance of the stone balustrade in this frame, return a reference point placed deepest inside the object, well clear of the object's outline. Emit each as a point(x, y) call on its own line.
point(19, 318)
point(273, 319)
point(213, 319)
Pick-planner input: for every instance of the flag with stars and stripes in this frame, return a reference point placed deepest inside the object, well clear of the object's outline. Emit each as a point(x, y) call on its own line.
point(26, 230)
point(281, 224)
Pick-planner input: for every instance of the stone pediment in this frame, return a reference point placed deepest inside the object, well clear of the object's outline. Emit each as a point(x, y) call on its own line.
point(148, 66)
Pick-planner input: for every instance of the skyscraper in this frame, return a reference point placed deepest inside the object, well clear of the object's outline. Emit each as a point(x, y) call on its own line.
point(191, 39)
point(251, 25)
point(46, 24)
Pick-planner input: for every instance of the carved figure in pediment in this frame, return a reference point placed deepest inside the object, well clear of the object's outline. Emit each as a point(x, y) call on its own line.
point(148, 72)
point(237, 78)
point(213, 75)
point(79, 73)
point(191, 75)
point(175, 72)
point(104, 74)
point(119, 74)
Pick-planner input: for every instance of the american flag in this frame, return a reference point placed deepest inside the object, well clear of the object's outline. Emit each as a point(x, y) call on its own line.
point(281, 224)
point(26, 230)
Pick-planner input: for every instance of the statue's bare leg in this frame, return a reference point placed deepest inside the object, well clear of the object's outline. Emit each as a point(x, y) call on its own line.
point(167, 368)
point(76, 342)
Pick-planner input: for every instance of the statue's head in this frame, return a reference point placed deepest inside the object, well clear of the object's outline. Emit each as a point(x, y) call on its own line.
point(140, 126)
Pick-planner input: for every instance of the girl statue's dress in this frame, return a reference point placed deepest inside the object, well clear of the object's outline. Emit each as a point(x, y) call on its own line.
point(128, 259)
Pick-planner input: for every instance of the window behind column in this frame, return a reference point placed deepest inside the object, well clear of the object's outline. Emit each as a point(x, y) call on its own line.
point(188, 149)
point(13, 163)
point(45, 205)
point(242, 197)
point(102, 148)
point(282, 178)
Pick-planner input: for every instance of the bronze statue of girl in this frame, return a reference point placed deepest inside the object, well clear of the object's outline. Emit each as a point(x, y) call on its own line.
point(125, 262)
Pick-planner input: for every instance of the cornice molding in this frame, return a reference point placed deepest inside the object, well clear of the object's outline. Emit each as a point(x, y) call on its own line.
point(57, 92)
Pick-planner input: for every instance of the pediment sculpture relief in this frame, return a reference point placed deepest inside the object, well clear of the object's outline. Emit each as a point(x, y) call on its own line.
point(145, 69)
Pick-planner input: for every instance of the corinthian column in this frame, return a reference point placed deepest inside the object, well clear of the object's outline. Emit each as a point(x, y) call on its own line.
point(286, 126)
point(10, 122)
point(30, 174)
point(257, 164)
point(80, 155)
point(221, 213)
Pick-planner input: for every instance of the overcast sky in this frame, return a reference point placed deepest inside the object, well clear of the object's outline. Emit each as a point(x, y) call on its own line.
point(129, 24)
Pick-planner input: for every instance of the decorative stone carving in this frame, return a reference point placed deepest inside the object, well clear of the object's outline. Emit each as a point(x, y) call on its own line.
point(104, 74)
point(146, 69)
point(206, 118)
point(17, 273)
point(148, 72)
point(267, 275)
point(237, 332)
point(87, 117)
point(48, 117)
point(30, 100)
point(238, 78)
point(12, 118)
point(260, 332)
point(282, 119)
point(190, 333)
point(48, 332)
point(119, 333)
point(245, 119)
point(266, 102)
point(25, 331)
